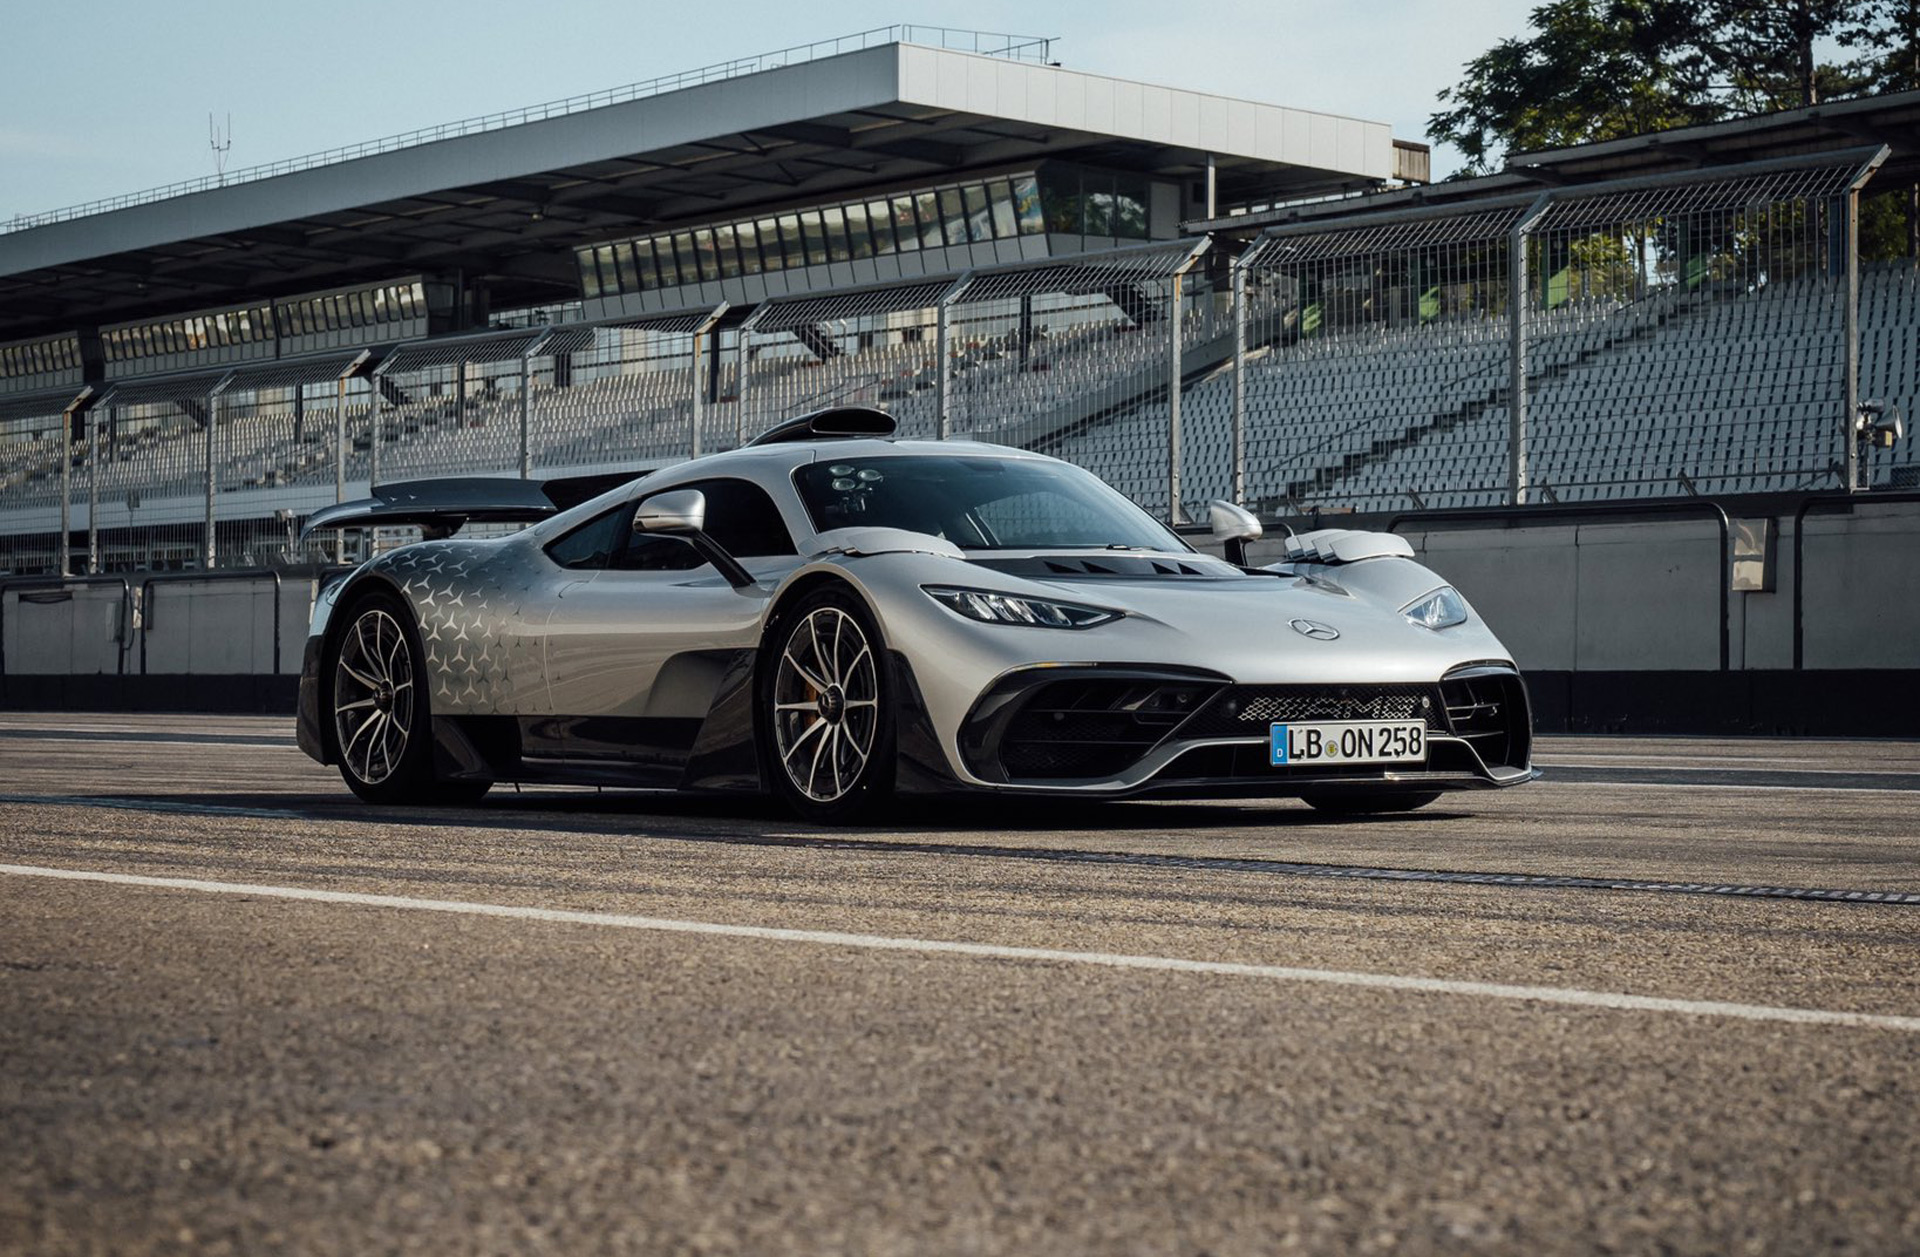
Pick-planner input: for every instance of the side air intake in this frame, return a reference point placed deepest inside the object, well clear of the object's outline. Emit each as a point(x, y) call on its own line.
point(835, 421)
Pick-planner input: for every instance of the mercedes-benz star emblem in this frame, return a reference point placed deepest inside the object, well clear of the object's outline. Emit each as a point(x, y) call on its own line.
point(1317, 631)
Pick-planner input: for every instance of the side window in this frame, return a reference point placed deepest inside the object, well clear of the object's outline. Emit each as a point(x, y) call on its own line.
point(744, 520)
point(657, 554)
point(740, 516)
point(594, 544)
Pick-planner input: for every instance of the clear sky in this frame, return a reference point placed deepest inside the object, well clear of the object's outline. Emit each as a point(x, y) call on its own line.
point(102, 97)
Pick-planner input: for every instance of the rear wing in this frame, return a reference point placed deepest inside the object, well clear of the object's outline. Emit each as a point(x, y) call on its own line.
point(440, 507)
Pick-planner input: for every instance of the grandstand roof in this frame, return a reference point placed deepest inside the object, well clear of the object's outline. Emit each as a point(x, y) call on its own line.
point(507, 205)
point(1892, 119)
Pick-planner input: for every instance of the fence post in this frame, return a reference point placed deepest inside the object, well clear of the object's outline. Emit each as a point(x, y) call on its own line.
point(66, 493)
point(1176, 360)
point(213, 402)
point(93, 495)
point(340, 439)
point(75, 408)
point(1517, 348)
point(695, 383)
point(526, 416)
point(943, 368)
point(698, 381)
point(1849, 435)
point(1173, 400)
point(1239, 280)
point(744, 357)
point(373, 433)
point(526, 401)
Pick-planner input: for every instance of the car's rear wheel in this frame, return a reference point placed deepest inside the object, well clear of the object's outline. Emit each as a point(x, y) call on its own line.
point(1368, 804)
point(826, 710)
point(378, 705)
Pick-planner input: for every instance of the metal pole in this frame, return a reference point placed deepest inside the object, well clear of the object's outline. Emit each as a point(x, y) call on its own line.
point(373, 434)
point(1517, 349)
point(693, 440)
point(745, 357)
point(93, 495)
point(1851, 243)
point(1239, 274)
point(943, 367)
point(340, 440)
point(208, 556)
point(943, 391)
point(66, 489)
point(526, 418)
point(1173, 400)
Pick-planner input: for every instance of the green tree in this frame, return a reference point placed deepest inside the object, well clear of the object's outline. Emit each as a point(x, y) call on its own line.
point(1592, 70)
point(1764, 53)
point(1588, 70)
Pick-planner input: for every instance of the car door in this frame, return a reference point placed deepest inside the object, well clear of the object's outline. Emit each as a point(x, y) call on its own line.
point(637, 652)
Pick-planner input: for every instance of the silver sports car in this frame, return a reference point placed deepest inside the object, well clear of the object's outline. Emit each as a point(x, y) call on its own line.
point(837, 617)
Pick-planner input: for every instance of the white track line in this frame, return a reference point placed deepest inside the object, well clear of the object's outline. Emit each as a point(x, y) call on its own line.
point(1644, 764)
point(878, 942)
point(1723, 785)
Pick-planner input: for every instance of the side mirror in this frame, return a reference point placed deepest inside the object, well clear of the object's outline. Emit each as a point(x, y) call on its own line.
point(1234, 526)
point(684, 510)
point(683, 513)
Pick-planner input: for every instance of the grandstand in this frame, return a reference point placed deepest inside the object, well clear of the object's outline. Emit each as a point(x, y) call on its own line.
point(985, 243)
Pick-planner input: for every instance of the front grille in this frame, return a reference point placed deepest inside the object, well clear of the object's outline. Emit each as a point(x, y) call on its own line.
point(1089, 728)
point(1245, 711)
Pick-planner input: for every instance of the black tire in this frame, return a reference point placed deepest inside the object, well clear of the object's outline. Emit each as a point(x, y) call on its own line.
point(824, 709)
point(377, 711)
point(1368, 804)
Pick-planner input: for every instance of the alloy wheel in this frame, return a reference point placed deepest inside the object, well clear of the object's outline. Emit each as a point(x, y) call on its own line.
point(373, 696)
point(826, 704)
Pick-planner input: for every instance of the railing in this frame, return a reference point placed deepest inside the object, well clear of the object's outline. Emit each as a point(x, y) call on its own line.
point(985, 43)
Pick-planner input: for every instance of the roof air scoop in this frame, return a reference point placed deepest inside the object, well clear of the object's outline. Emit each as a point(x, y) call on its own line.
point(833, 422)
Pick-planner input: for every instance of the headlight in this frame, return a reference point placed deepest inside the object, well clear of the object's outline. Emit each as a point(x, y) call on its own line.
point(991, 608)
point(1443, 608)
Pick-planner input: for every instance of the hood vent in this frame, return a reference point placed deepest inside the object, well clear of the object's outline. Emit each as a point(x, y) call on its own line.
point(1107, 565)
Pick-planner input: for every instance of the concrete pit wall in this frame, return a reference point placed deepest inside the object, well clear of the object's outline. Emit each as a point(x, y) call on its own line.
point(165, 644)
point(1616, 624)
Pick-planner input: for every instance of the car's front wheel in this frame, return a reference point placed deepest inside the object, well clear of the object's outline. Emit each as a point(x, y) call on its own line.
point(827, 711)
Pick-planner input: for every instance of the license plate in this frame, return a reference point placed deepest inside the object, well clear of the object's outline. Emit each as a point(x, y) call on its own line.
point(1350, 742)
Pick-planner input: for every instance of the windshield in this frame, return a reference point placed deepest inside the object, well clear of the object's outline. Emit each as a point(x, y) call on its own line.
point(979, 503)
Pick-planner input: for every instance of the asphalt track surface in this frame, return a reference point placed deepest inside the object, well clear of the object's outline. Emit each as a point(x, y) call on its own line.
point(240, 1012)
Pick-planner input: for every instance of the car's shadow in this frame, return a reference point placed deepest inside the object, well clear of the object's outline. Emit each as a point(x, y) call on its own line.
point(953, 817)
